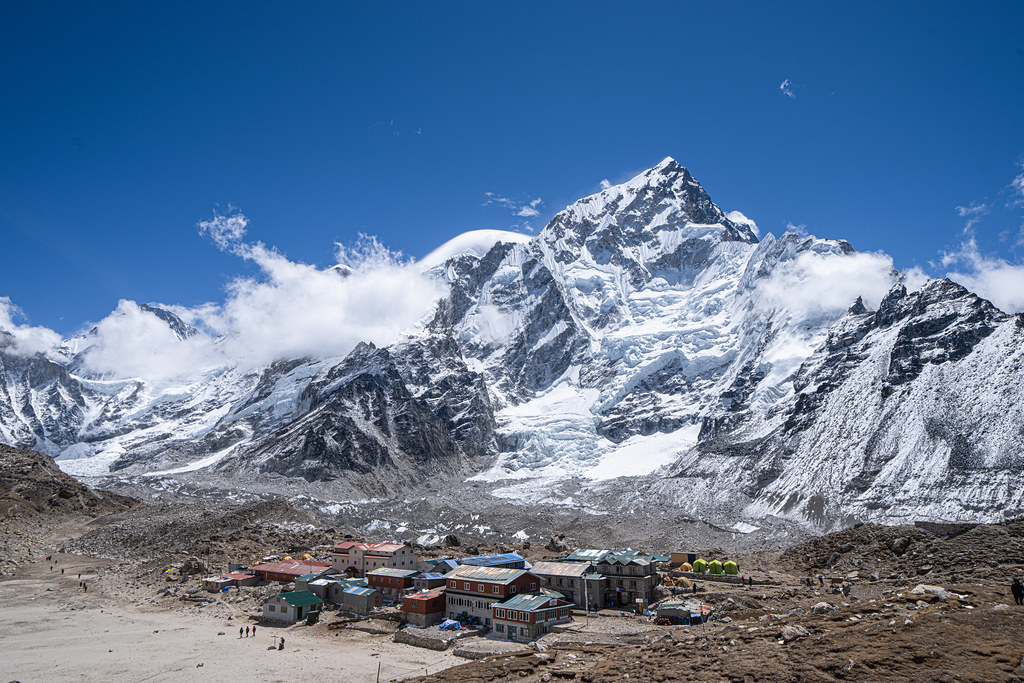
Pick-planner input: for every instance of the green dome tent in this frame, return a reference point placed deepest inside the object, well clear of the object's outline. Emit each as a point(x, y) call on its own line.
point(715, 567)
point(730, 567)
point(700, 565)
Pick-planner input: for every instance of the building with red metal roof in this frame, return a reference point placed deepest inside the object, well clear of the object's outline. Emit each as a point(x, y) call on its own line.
point(425, 608)
point(287, 571)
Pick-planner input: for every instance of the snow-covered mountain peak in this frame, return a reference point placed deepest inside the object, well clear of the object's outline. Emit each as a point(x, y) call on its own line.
point(641, 218)
point(474, 243)
point(181, 329)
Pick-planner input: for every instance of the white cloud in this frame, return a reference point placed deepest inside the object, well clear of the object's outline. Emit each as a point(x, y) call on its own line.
point(530, 209)
point(24, 340)
point(1018, 186)
point(995, 279)
point(226, 230)
point(132, 342)
point(739, 218)
point(787, 88)
point(800, 229)
point(292, 310)
point(816, 284)
point(525, 209)
point(972, 213)
point(915, 278)
point(605, 184)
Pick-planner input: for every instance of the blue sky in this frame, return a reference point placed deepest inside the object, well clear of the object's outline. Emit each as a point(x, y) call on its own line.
point(124, 125)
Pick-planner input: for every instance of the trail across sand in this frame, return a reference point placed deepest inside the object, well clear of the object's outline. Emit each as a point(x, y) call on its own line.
point(50, 630)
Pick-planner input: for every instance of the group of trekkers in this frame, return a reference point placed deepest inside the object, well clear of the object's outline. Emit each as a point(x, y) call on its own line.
point(244, 633)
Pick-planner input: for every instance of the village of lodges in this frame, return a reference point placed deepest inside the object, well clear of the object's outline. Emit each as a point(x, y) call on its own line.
point(501, 594)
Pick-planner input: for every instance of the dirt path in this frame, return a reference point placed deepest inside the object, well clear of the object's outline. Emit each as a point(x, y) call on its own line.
point(50, 629)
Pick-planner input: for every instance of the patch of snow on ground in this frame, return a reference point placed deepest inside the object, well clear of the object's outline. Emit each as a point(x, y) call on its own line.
point(641, 455)
point(79, 460)
point(197, 465)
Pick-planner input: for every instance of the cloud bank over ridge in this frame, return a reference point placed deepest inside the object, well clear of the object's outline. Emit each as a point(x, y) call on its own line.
point(291, 310)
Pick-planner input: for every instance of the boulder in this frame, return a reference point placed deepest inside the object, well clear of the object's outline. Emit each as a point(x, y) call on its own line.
point(451, 541)
point(556, 545)
point(193, 565)
point(661, 592)
point(938, 591)
point(900, 545)
point(793, 632)
point(823, 608)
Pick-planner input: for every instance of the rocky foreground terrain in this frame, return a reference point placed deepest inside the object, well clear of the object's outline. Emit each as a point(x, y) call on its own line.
point(922, 603)
point(37, 499)
point(920, 607)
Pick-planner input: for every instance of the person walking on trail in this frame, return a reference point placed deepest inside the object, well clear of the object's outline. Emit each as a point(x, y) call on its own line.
point(821, 580)
point(1018, 591)
point(253, 631)
point(239, 631)
point(246, 631)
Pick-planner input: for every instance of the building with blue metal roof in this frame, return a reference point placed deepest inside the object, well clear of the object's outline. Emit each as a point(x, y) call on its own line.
point(502, 560)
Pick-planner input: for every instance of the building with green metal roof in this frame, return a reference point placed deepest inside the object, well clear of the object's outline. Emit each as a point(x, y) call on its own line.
point(528, 616)
point(291, 607)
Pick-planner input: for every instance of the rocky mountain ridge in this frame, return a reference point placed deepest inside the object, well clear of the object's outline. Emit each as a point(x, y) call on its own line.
point(643, 334)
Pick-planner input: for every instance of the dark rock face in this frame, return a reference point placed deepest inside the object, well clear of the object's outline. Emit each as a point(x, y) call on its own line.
point(361, 418)
point(182, 329)
point(32, 484)
point(43, 402)
point(944, 322)
point(644, 410)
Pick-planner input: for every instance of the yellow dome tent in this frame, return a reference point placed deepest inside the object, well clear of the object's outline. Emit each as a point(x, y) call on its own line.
point(730, 567)
point(686, 567)
point(715, 567)
point(700, 565)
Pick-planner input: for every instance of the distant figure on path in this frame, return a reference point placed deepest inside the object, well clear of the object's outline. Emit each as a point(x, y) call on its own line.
point(246, 631)
point(280, 646)
point(821, 579)
point(253, 631)
point(1018, 591)
point(239, 631)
